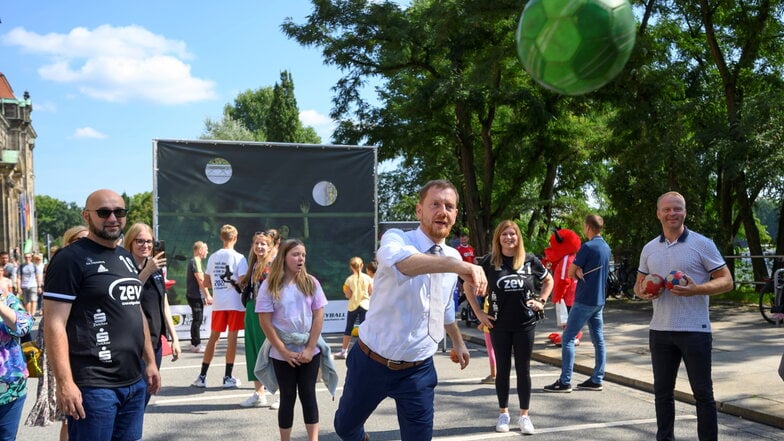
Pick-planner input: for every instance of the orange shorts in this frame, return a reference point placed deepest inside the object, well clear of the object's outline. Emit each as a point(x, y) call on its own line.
point(235, 320)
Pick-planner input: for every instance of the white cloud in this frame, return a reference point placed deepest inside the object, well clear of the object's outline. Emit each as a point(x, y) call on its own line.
point(117, 64)
point(88, 133)
point(323, 124)
point(44, 106)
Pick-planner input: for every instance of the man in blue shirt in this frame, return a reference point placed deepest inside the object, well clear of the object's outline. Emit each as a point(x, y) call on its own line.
point(590, 267)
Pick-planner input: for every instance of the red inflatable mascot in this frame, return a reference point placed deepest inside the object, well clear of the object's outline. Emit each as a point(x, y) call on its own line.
point(564, 245)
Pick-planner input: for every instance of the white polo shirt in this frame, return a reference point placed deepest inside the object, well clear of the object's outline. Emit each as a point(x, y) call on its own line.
point(698, 257)
point(395, 326)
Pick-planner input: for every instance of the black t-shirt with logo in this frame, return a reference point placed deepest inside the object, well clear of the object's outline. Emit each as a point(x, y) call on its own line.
point(509, 291)
point(105, 329)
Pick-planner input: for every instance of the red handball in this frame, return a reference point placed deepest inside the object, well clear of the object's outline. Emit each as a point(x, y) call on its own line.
point(653, 284)
point(675, 278)
point(453, 356)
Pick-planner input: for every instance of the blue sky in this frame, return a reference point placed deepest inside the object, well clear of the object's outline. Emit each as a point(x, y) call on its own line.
point(106, 78)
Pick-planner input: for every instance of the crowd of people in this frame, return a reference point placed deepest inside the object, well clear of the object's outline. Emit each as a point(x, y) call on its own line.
point(102, 354)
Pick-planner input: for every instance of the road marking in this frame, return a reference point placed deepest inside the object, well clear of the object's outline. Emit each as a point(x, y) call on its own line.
point(574, 428)
point(197, 367)
point(215, 397)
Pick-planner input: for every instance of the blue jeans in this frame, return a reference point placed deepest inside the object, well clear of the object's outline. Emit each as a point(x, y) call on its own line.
point(111, 414)
point(668, 348)
point(158, 360)
point(368, 383)
point(579, 315)
point(10, 415)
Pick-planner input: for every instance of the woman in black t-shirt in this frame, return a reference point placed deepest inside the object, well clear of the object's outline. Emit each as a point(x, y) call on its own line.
point(512, 278)
point(139, 241)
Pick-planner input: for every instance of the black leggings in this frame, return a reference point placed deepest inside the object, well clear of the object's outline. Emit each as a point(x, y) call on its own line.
point(522, 341)
point(300, 379)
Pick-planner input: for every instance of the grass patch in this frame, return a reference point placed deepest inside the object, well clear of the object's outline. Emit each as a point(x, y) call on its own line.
point(743, 295)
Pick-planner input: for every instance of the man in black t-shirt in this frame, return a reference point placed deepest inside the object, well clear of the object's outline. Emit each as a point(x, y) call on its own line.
point(197, 294)
point(96, 335)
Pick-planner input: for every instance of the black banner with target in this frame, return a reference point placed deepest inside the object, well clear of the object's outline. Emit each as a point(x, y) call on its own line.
point(324, 195)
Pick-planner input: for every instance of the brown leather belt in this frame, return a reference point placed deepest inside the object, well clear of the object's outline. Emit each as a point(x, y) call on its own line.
point(391, 364)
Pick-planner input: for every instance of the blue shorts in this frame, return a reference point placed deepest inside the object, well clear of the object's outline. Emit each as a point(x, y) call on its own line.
point(111, 414)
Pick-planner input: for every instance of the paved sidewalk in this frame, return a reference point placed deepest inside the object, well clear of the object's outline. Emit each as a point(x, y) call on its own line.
point(746, 355)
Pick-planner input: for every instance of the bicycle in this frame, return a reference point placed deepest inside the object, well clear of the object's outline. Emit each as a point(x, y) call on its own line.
point(620, 280)
point(771, 298)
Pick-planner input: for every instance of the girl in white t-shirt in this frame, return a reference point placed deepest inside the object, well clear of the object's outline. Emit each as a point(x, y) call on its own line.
point(291, 304)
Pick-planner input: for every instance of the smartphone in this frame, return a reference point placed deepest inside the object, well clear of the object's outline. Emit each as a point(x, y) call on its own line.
point(159, 246)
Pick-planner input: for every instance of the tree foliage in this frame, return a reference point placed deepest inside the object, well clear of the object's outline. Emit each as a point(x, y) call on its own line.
point(701, 115)
point(139, 208)
point(228, 129)
point(54, 216)
point(454, 100)
point(282, 120)
point(698, 109)
point(265, 114)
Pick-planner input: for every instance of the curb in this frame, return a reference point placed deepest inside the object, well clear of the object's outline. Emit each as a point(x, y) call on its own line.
point(723, 407)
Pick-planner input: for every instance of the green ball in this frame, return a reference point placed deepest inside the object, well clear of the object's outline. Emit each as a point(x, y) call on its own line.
point(575, 46)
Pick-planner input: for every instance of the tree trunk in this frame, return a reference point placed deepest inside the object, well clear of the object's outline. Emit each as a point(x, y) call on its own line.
point(545, 196)
point(779, 263)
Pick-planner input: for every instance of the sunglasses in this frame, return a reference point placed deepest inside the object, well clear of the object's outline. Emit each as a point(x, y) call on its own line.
point(103, 213)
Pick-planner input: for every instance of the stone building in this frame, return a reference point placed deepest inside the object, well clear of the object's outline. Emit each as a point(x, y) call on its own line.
point(17, 196)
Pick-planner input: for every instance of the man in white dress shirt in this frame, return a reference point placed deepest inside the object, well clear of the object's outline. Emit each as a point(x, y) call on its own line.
point(411, 307)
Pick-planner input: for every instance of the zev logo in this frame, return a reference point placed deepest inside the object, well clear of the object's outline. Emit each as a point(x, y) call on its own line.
point(127, 291)
point(511, 282)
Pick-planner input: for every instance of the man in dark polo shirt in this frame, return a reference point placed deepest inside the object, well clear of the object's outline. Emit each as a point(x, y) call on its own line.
point(95, 332)
point(590, 268)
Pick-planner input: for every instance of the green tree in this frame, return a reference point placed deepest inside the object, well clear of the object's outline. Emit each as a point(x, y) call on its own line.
point(54, 216)
point(139, 208)
point(264, 114)
point(250, 109)
point(228, 129)
point(455, 100)
point(398, 193)
point(283, 118)
point(700, 113)
point(698, 109)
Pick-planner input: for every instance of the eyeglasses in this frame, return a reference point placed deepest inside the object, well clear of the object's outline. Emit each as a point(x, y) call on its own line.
point(103, 213)
point(142, 242)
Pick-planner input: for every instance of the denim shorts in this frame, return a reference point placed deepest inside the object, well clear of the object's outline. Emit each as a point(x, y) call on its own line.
point(111, 414)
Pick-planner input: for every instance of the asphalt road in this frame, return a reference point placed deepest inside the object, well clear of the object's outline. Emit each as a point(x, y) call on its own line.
point(465, 409)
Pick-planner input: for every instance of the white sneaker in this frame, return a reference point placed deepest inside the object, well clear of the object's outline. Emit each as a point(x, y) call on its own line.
point(526, 426)
point(275, 405)
point(341, 355)
point(231, 382)
point(200, 381)
point(199, 349)
point(503, 423)
point(255, 400)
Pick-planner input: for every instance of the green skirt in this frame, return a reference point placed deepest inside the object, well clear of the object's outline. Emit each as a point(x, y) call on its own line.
point(254, 338)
